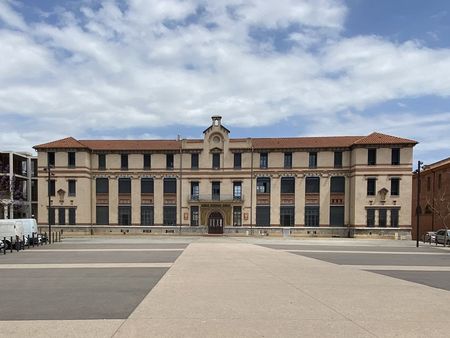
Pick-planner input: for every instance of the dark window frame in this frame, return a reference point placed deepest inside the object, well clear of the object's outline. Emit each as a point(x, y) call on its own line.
point(194, 161)
point(382, 218)
point(102, 161)
point(123, 161)
point(99, 181)
point(264, 160)
point(170, 215)
point(287, 185)
point(312, 159)
point(71, 187)
point(72, 216)
point(170, 161)
point(195, 216)
point(195, 190)
point(237, 216)
point(237, 158)
point(147, 215)
point(395, 218)
point(370, 218)
point(103, 221)
point(337, 219)
point(147, 185)
point(170, 185)
point(312, 216)
point(124, 210)
point(338, 159)
point(371, 186)
point(263, 215)
point(288, 160)
point(263, 185)
point(371, 156)
point(287, 213)
point(312, 185)
point(52, 187)
point(337, 184)
point(71, 159)
point(395, 156)
point(395, 186)
point(215, 161)
point(124, 185)
point(215, 190)
point(147, 158)
point(51, 158)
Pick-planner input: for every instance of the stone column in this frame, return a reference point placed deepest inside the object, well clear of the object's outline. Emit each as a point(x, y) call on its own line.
point(275, 196)
point(324, 200)
point(135, 201)
point(113, 201)
point(300, 200)
point(158, 200)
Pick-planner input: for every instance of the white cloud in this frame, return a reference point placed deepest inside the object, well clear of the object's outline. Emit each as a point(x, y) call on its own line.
point(149, 64)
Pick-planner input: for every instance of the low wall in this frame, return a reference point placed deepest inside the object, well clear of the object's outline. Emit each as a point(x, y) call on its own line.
point(327, 232)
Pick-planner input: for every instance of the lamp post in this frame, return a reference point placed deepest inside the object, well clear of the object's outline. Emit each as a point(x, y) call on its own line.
point(418, 211)
point(49, 174)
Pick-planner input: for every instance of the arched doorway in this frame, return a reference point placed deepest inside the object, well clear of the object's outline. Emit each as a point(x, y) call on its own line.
point(215, 223)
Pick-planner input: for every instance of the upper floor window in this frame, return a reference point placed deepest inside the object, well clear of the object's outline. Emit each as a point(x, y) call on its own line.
point(124, 161)
point(101, 161)
point(195, 190)
point(287, 185)
point(101, 185)
point(72, 187)
point(147, 186)
point(147, 161)
point(194, 161)
point(52, 188)
point(51, 158)
point(371, 186)
point(338, 159)
point(124, 185)
point(312, 185)
point(215, 190)
point(288, 160)
point(395, 156)
point(170, 185)
point(71, 159)
point(263, 185)
point(371, 156)
point(263, 160)
point(237, 190)
point(395, 186)
point(216, 161)
point(169, 161)
point(337, 184)
point(313, 159)
point(237, 160)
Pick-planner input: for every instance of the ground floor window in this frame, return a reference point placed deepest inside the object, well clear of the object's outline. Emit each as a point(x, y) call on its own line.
point(263, 216)
point(370, 217)
point(337, 216)
point(312, 215)
point(382, 217)
point(147, 215)
point(125, 215)
point(61, 216)
point(287, 216)
point(72, 216)
point(194, 216)
point(102, 215)
point(52, 216)
point(394, 218)
point(170, 215)
point(237, 216)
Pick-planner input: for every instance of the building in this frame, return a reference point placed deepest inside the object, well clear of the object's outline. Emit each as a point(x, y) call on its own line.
point(18, 185)
point(219, 183)
point(434, 198)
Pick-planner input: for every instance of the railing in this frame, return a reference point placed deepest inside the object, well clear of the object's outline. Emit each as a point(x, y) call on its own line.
point(215, 198)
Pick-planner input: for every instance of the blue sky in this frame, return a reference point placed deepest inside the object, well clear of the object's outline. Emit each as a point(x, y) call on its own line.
point(155, 69)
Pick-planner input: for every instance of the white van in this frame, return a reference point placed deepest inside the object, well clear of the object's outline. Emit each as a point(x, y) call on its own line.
point(29, 227)
point(10, 228)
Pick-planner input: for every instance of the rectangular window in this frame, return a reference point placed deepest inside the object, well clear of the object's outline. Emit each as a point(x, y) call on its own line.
point(395, 186)
point(146, 185)
point(287, 185)
point(124, 185)
point(195, 216)
point(237, 216)
point(394, 218)
point(287, 160)
point(312, 185)
point(263, 216)
point(395, 156)
point(371, 156)
point(337, 184)
point(215, 191)
point(71, 159)
point(216, 161)
point(170, 215)
point(147, 217)
point(170, 185)
point(124, 161)
point(52, 188)
point(147, 161)
point(61, 216)
point(237, 160)
point(287, 215)
point(102, 215)
point(195, 191)
point(52, 216)
point(338, 159)
point(263, 160)
point(194, 161)
point(337, 216)
point(382, 217)
point(72, 187)
point(312, 214)
point(263, 185)
point(169, 161)
point(101, 161)
point(371, 186)
point(313, 160)
point(72, 216)
point(124, 215)
point(237, 190)
point(370, 217)
point(51, 158)
point(101, 185)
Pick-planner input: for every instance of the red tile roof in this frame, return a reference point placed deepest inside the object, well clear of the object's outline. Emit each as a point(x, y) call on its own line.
point(258, 143)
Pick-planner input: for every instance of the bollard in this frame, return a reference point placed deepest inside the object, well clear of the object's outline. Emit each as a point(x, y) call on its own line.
point(28, 237)
point(4, 246)
point(32, 239)
point(17, 244)
point(45, 234)
point(10, 245)
point(23, 242)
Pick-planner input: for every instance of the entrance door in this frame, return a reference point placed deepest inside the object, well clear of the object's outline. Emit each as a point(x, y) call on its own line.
point(215, 223)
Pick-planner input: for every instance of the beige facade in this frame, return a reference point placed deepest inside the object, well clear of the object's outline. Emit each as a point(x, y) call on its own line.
point(317, 182)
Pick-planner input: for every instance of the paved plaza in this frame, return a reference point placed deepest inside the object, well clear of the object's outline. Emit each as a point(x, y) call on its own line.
point(225, 287)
